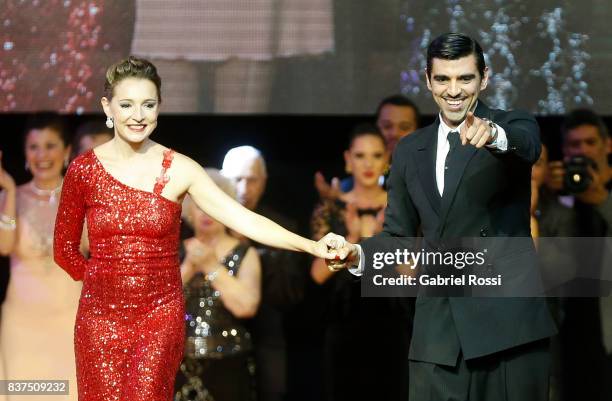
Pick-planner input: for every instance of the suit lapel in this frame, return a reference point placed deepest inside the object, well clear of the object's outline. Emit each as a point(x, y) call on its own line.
point(426, 166)
point(458, 161)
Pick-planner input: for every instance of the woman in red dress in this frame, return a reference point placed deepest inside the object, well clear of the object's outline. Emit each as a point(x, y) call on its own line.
point(129, 328)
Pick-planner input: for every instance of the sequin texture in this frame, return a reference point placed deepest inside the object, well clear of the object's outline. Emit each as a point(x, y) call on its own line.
point(212, 330)
point(129, 330)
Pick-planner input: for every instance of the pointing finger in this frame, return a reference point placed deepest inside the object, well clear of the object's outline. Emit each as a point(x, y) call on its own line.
point(462, 134)
point(469, 119)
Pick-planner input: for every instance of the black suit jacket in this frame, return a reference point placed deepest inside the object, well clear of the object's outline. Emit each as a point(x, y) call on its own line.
point(487, 194)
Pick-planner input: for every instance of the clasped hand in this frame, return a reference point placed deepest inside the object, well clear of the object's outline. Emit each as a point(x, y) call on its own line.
point(338, 253)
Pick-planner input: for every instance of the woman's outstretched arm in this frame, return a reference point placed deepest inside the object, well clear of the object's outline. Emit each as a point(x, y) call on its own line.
point(232, 214)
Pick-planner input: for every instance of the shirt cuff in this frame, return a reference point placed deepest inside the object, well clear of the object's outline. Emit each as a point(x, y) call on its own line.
point(501, 141)
point(358, 270)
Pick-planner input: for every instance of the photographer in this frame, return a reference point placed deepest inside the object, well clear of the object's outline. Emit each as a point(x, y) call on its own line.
point(582, 183)
point(585, 136)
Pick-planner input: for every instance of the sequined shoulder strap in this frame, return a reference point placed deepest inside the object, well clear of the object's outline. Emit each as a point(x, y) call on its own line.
point(162, 180)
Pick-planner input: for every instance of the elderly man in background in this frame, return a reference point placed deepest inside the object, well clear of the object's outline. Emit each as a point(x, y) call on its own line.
point(282, 275)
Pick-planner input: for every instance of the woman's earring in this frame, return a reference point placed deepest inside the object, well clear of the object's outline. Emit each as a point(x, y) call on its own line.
point(66, 163)
point(27, 166)
point(109, 122)
point(348, 169)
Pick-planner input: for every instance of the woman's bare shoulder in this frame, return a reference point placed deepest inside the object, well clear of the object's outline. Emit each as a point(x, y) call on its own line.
point(182, 158)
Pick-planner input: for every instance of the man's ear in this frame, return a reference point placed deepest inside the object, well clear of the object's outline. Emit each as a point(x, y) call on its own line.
point(485, 79)
point(427, 79)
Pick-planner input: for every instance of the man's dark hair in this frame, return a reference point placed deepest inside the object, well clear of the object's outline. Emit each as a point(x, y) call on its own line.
point(453, 46)
point(400, 101)
point(578, 117)
point(364, 129)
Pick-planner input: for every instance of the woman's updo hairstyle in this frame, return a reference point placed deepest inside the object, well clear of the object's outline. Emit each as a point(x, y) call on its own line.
point(365, 129)
point(131, 67)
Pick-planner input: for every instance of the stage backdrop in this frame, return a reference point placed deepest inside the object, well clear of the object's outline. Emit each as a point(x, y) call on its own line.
point(300, 56)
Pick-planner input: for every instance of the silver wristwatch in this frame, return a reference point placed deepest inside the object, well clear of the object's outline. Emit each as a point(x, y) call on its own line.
point(493, 129)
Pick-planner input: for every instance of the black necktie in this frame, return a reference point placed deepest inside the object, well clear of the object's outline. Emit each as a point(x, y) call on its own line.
point(453, 141)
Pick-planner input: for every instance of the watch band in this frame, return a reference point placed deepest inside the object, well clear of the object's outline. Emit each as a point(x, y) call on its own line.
point(493, 129)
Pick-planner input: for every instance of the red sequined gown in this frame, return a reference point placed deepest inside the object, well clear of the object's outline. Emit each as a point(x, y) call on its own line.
point(129, 330)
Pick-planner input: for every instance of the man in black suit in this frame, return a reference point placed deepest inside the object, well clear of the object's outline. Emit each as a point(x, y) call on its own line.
point(468, 175)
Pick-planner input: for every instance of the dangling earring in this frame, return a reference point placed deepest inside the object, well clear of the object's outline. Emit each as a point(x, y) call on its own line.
point(348, 169)
point(27, 166)
point(66, 163)
point(109, 122)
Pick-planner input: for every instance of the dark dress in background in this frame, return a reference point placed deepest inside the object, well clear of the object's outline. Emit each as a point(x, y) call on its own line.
point(218, 363)
point(366, 339)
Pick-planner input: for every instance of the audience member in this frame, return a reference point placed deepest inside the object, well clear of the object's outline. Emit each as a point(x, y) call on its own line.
point(221, 280)
point(89, 135)
point(396, 117)
point(282, 275)
point(36, 329)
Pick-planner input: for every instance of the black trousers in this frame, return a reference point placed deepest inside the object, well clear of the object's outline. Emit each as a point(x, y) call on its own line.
point(517, 374)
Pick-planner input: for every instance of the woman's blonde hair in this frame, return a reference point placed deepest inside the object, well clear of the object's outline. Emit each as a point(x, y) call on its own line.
point(131, 67)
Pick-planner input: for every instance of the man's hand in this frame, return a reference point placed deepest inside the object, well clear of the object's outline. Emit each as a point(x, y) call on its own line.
point(596, 193)
point(328, 247)
point(476, 131)
point(327, 191)
point(347, 256)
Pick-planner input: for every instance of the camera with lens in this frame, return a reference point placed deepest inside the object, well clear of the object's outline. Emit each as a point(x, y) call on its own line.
point(577, 178)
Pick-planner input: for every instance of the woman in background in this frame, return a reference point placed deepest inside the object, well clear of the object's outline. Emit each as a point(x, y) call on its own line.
point(221, 282)
point(89, 135)
point(356, 214)
point(36, 334)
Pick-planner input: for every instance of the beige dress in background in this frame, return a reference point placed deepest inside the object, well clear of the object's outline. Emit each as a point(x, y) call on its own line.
point(38, 314)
